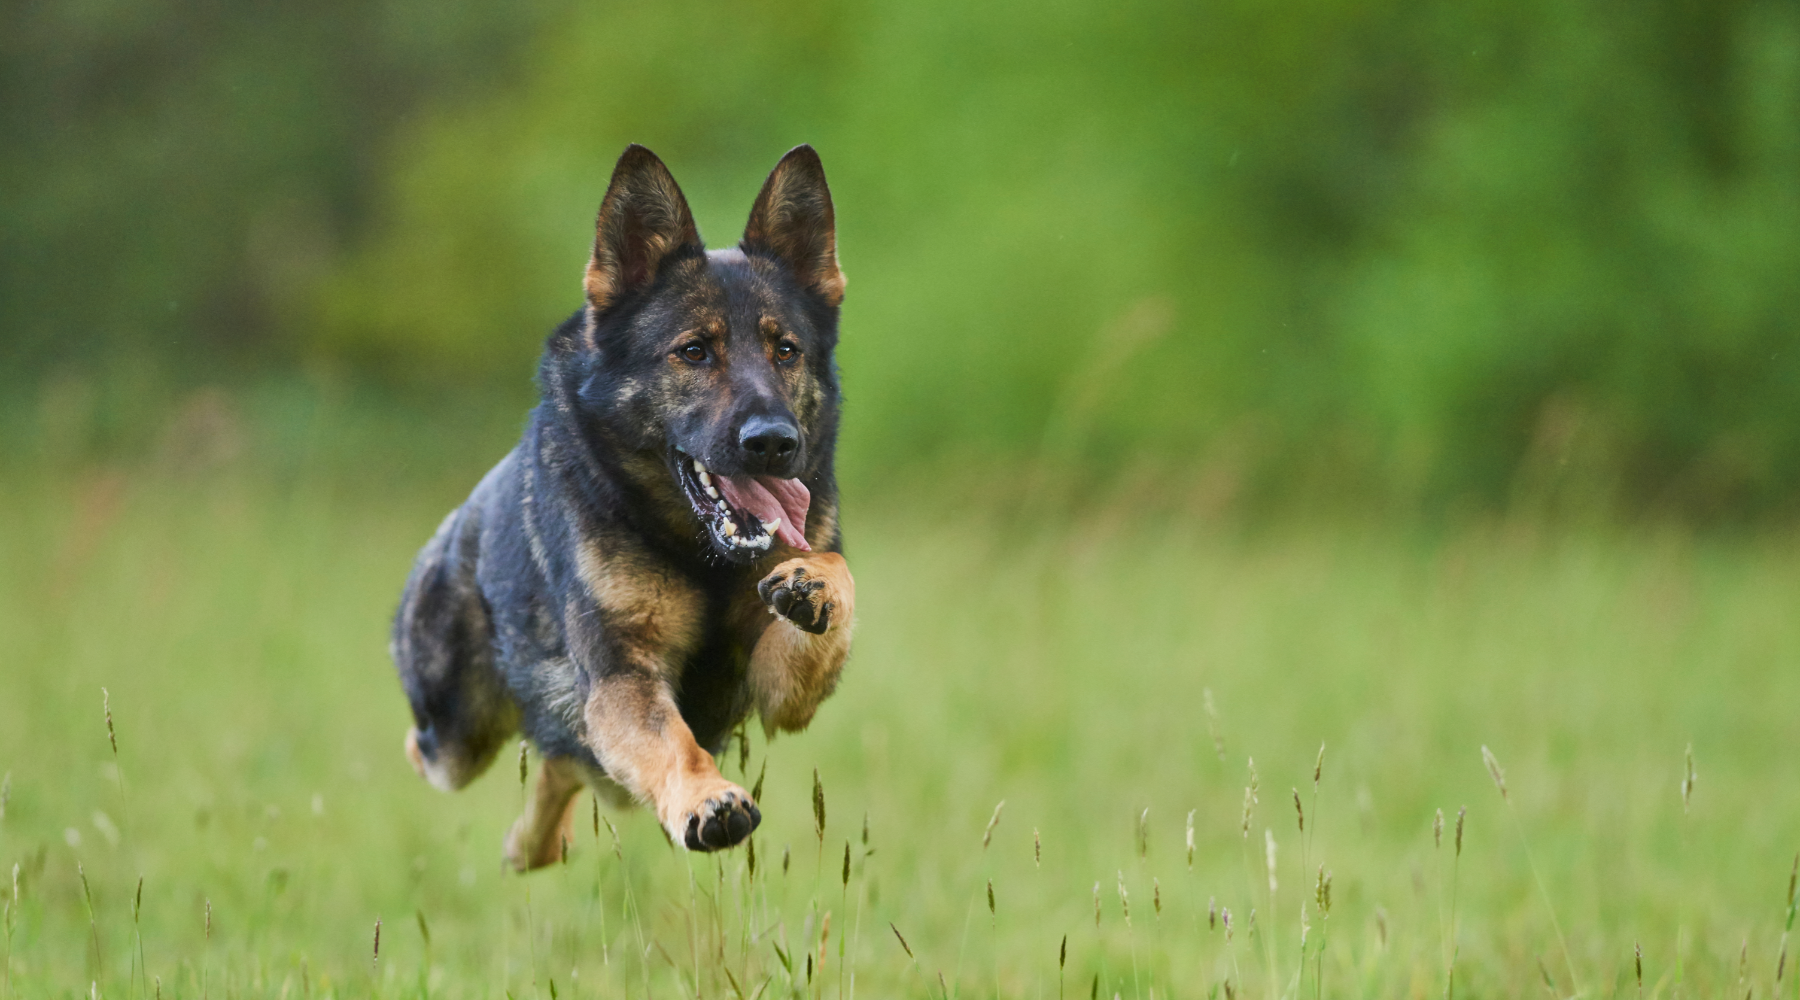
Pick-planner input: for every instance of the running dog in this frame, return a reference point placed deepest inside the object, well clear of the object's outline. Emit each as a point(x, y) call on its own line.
point(659, 556)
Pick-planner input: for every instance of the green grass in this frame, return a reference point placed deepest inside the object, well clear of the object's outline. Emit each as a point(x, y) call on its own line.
point(238, 619)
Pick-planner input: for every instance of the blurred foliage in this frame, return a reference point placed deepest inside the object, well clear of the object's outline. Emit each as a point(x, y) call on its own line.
point(1420, 255)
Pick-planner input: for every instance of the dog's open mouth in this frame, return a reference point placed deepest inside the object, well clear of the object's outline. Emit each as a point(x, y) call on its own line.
point(745, 514)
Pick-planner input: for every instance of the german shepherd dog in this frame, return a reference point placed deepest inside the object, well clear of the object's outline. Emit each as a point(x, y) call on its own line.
point(659, 556)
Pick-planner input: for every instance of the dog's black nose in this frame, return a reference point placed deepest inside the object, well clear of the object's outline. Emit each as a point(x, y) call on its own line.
point(768, 442)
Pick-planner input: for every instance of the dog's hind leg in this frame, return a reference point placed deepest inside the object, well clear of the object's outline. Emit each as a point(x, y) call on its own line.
point(542, 835)
point(443, 651)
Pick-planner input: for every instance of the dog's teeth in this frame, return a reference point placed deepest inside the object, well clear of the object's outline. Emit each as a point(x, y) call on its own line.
point(729, 527)
point(770, 526)
point(712, 492)
point(699, 468)
point(705, 479)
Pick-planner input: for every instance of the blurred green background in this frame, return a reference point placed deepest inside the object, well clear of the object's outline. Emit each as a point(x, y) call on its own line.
point(1410, 257)
point(1401, 376)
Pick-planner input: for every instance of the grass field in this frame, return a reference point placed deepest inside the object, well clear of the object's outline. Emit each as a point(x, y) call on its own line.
point(237, 620)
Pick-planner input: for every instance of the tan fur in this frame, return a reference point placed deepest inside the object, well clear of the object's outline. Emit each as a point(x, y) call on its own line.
point(822, 526)
point(540, 836)
point(648, 607)
point(638, 734)
point(791, 670)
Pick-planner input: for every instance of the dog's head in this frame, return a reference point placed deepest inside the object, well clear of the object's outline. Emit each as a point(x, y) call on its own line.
point(718, 363)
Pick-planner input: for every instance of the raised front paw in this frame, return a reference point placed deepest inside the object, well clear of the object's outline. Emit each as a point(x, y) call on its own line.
point(800, 597)
point(722, 819)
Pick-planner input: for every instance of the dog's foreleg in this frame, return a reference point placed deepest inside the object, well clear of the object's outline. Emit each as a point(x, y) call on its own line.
point(636, 731)
point(798, 658)
point(649, 620)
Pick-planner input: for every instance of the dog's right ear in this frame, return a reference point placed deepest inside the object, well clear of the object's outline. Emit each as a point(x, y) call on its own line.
point(643, 219)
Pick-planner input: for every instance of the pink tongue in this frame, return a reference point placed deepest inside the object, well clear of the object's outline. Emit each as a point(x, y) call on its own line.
point(768, 498)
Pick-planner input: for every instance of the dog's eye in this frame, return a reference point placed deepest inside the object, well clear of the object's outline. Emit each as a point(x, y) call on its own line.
point(785, 352)
point(694, 352)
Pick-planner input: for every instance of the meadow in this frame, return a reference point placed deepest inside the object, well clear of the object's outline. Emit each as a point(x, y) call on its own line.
point(205, 794)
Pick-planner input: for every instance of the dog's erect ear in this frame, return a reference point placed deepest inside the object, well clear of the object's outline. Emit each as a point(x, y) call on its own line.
point(643, 219)
point(793, 222)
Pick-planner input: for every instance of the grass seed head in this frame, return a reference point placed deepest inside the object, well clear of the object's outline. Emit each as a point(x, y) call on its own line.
point(750, 855)
point(1124, 899)
point(786, 857)
point(763, 772)
point(1318, 768)
point(902, 939)
point(1461, 814)
point(1062, 955)
point(1096, 904)
point(1225, 918)
point(523, 751)
point(1305, 925)
point(137, 901)
point(1037, 849)
point(209, 920)
point(1688, 778)
point(1381, 926)
point(1495, 771)
point(990, 888)
point(618, 844)
point(1437, 830)
point(818, 803)
point(865, 829)
point(846, 864)
point(1212, 912)
point(1299, 811)
point(1156, 896)
point(1637, 950)
point(106, 707)
point(987, 835)
point(376, 959)
point(1143, 833)
point(1190, 838)
point(424, 928)
point(1781, 964)
point(1744, 962)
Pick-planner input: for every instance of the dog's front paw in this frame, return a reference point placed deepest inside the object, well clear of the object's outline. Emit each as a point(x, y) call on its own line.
point(723, 818)
point(803, 598)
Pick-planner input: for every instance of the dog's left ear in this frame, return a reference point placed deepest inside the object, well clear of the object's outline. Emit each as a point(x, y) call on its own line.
point(793, 222)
